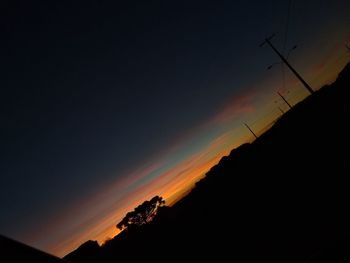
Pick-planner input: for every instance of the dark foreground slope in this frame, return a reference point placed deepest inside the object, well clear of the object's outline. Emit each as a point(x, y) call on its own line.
point(13, 251)
point(283, 198)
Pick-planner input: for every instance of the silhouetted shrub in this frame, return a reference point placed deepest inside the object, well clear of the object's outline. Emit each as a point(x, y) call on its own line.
point(143, 214)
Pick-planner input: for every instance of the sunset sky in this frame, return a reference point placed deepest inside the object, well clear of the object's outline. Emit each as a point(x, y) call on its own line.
point(105, 105)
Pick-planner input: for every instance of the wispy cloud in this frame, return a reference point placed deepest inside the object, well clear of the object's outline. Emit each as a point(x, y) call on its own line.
point(235, 107)
point(95, 217)
point(170, 183)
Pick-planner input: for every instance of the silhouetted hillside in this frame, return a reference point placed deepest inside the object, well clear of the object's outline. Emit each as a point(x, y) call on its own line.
point(13, 251)
point(87, 252)
point(283, 198)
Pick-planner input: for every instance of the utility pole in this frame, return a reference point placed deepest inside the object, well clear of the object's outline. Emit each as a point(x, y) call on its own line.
point(281, 110)
point(307, 86)
point(284, 99)
point(256, 137)
point(348, 48)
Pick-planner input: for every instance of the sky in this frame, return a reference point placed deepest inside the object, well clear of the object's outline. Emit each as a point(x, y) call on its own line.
point(104, 105)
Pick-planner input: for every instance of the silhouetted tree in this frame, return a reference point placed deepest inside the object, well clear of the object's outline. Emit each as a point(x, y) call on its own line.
point(143, 214)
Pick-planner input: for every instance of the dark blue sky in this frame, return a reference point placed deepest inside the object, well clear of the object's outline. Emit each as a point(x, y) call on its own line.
point(91, 91)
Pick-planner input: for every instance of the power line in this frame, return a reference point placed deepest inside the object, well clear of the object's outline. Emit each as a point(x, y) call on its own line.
point(286, 31)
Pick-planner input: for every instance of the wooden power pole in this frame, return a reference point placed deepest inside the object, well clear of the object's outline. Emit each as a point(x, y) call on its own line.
point(307, 86)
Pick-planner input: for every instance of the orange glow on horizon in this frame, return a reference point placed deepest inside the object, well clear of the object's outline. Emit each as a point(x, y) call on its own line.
point(172, 185)
point(174, 182)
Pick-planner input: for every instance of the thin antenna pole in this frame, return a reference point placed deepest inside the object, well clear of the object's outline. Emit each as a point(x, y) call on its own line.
point(281, 110)
point(284, 99)
point(256, 137)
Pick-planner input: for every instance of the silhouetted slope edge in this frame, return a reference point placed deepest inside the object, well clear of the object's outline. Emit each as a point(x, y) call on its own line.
point(87, 252)
point(13, 251)
point(283, 198)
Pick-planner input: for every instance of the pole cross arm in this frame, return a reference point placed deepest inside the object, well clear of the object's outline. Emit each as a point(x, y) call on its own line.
point(267, 39)
point(307, 86)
